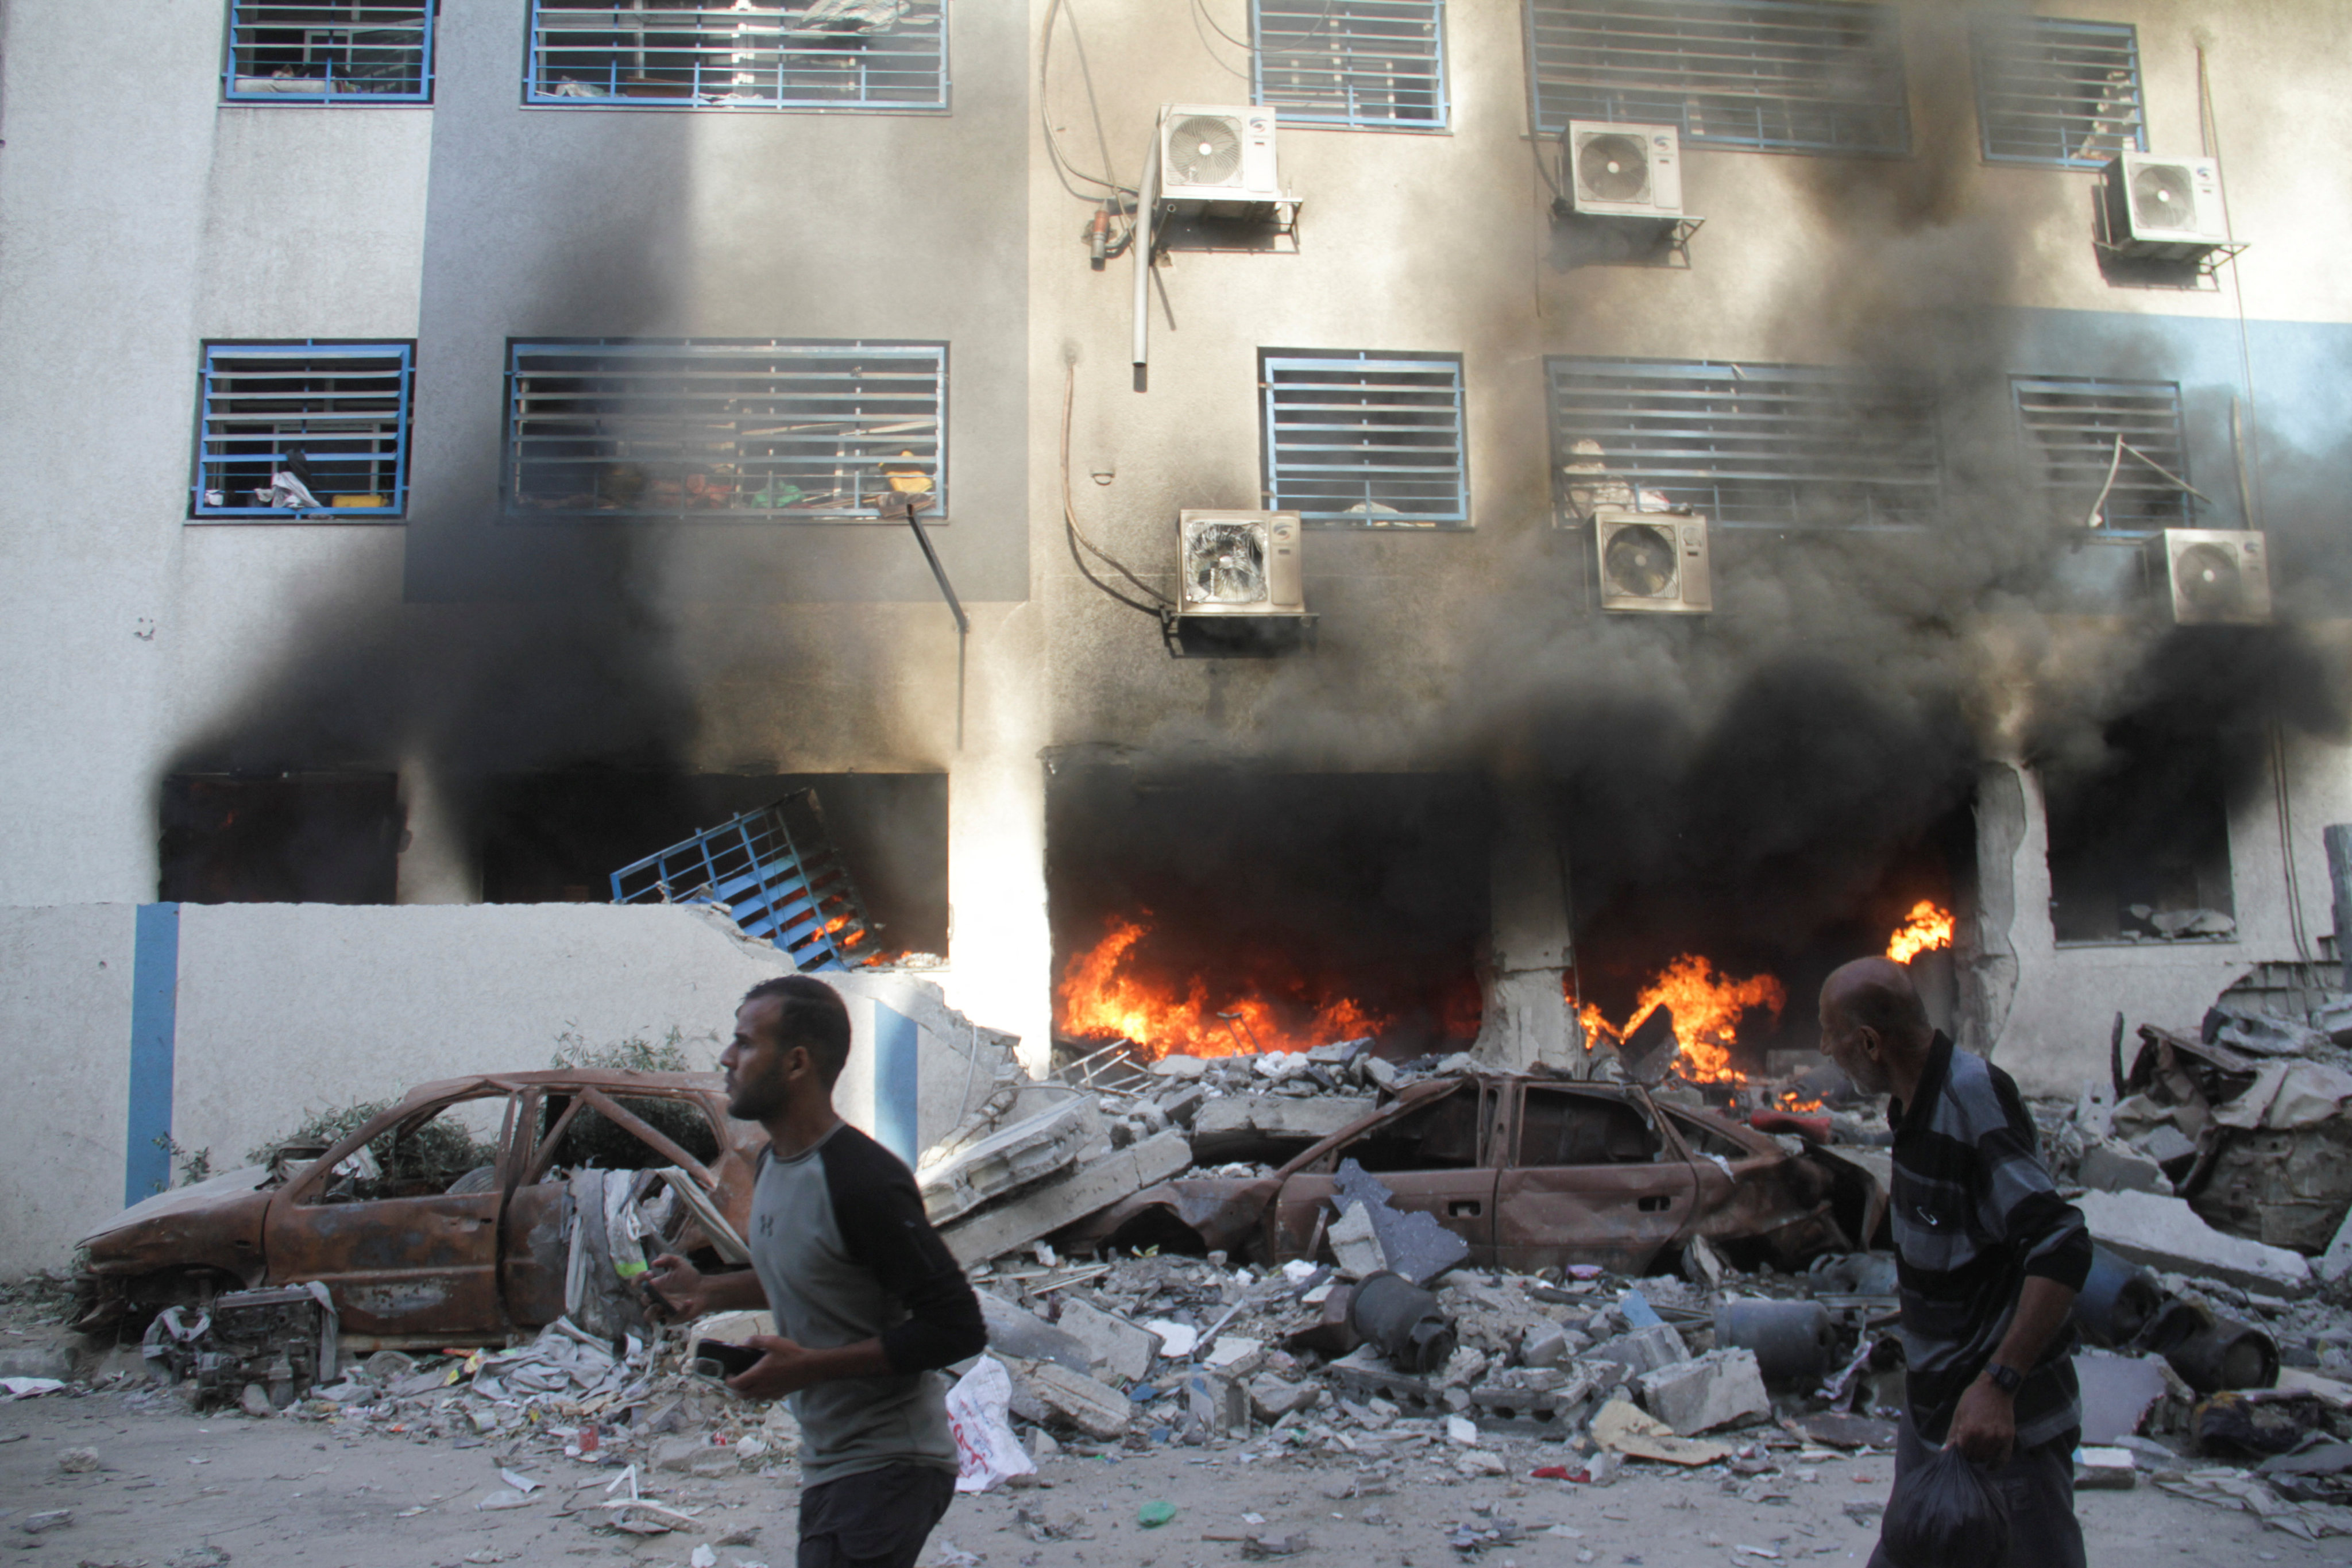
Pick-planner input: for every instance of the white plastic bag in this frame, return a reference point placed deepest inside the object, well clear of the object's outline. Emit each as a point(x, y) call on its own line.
point(987, 1453)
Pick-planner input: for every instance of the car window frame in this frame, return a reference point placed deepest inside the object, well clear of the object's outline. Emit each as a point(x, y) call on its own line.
point(303, 1189)
point(1670, 1149)
point(534, 1170)
point(1489, 1107)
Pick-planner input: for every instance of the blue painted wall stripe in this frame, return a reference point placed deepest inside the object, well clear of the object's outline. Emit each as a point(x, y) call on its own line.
point(154, 1025)
point(896, 1081)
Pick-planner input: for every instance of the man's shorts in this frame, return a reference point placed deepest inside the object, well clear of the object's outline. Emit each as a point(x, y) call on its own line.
point(874, 1518)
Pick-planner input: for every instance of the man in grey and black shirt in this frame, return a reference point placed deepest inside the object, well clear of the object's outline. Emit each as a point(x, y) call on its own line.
point(867, 1300)
point(1989, 1258)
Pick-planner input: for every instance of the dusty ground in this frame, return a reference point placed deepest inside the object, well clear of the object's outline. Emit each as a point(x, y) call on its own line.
point(283, 1493)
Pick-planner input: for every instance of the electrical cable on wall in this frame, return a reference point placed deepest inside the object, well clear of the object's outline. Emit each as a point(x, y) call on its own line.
point(1165, 608)
point(1063, 169)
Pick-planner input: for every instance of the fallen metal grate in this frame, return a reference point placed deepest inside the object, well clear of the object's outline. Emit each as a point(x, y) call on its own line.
point(777, 872)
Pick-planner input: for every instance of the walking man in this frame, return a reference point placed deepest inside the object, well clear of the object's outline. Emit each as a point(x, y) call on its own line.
point(1990, 1258)
point(867, 1300)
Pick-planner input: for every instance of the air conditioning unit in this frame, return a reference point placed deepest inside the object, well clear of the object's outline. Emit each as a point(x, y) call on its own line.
point(1241, 564)
point(2164, 209)
point(1621, 171)
point(1653, 560)
point(1216, 162)
point(2219, 576)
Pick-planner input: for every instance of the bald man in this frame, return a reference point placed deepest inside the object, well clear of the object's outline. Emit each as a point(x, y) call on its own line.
point(1990, 1258)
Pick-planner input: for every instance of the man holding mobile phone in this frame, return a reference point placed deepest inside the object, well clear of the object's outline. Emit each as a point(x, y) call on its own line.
point(867, 1300)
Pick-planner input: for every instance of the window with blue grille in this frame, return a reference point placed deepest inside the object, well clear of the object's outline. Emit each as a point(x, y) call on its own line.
point(773, 429)
point(2059, 92)
point(303, 430)
point(329, 51)
point(2116, 447)
point(1784, 75)
point(1373, 65)
point(759, 54)
point(1765, 446)
point(1364, 439)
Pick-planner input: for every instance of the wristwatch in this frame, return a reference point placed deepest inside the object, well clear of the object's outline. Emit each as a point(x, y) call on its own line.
point(2008, 1379)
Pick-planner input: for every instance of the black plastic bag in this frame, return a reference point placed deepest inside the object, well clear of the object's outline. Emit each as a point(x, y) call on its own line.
point(1945, 1514)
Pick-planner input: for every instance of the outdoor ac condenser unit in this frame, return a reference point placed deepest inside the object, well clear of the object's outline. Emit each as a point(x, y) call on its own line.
point(1216, 161)
point(1239, 563)
point(2219, 576)
point(1653, 560)
point(1621, 171)
point(2164, 209)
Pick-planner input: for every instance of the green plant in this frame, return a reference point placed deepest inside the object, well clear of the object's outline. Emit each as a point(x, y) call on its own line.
point(635, 1054)
point(439, 1151)
point(195, 1164)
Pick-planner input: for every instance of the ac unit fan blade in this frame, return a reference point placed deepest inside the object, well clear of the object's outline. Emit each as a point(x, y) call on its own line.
point(1613, 168)
point(2209, 578)
point(1226, 562)
point(2161, 197)
point(1204, 150)
point(1640, 561)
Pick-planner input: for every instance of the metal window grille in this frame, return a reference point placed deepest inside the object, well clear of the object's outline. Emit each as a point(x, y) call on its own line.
point(777, 872)
point(771, 429)
point(2053, 91)
point(335, 412)
point(813, 54)
point(328, 51)
point(1374, 65)
point(2075, 423)
point(1770, 445)
point(1790, 76)
point(1365, 439)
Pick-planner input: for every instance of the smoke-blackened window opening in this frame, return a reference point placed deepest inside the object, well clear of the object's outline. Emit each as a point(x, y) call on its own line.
point(775, 430)
point(290, 838)
point(353, 52)
point(2058, 92)
point(887, 55)
point(1562, 1126)
point(302, 430)
point(1364, 439)
point(2139, 844)
point(2111, 454)
point(1369, 65)
point(1786, 76)
point(1746, 445)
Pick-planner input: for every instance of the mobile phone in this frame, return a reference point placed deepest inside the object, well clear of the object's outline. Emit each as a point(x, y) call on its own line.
point(719, 1359)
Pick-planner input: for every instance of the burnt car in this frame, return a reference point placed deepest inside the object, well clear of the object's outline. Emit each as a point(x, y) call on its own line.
point(467, 1213)
point(1533, 1173)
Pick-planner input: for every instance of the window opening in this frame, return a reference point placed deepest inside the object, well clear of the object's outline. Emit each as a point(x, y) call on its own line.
point(1370, 65)
point(339, 51)
point(753, 53)
point(1560, 1128)
point(2114, 453)
point(294, 838)
point(2060, 92)
point(1773, 75)
point(1439, 1137)
point(777, 871)
point(589, 1138)
point(2139, 841)
point(1365, 439)
point(1765, 446)
point(451, 1149)
point(774, 430)
point(303, 430)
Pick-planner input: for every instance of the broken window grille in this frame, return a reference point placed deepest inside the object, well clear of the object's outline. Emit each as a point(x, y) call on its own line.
point(328, 51)
point(2116, 447)
point(1365, 439)
point(1786, 76)
point(2060, 92)
point(1370, 65)
point(334, 416)
point(1764, 446)
point(758, 54)
point(776, 870)
point(773, 429)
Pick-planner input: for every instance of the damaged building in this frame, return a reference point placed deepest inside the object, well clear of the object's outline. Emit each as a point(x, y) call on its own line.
point(1262, 527)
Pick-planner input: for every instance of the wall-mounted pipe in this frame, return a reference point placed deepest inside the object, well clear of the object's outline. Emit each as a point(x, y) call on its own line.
point(1146, 198)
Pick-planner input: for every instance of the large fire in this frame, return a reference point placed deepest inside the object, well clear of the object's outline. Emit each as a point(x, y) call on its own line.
point(1706, 1009)
point(1922, 930)
point(1101, 997)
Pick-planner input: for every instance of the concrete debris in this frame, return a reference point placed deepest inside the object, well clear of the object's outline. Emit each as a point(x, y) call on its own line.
point(1707, 1392)
point(1113, 1346)
point(1037, 1212)
point(1025, 1152)
point(2166, 1233)
point(1413, 1243)
point(1244, 1125)
point(1356, 1244)
point(2099, 1468)
point(1018, 1331)
point(1095, 1408)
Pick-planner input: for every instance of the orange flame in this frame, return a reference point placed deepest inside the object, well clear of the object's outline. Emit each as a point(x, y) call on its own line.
point(1925, 928)
point(1101, 998)
point(1707, 1008)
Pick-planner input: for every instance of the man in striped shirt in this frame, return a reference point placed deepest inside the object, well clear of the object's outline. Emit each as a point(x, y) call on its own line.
point(1989, 1257)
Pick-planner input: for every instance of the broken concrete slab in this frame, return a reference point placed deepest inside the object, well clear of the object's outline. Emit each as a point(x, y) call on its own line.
point(2118, 1391)
point(1095, 1408)
point(1028, 1151)
point(1014, 1330)
point(1246, 1121)
point(2110, 1167)
point(1216, 1406)
point(1027, 1216)
point(1642, 1351)
point(1116, 1347)
point(1181, 1067)
point(2105, 1469)
point(1710, 1391)
point(2166, 1234)
point(1272, 1398)
point(1545, 1345)
point(1356, 1244)
point(1417, 1248)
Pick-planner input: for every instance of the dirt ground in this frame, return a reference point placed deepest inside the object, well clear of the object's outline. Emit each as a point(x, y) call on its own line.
point(285, 1493)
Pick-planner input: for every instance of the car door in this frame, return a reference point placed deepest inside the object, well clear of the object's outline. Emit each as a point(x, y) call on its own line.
point(1591, 1178)
point(400, 1221)
point(1431, 1153)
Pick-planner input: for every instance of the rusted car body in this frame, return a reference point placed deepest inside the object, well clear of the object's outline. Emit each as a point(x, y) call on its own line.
point(418, 1256)
point(1533, 1173)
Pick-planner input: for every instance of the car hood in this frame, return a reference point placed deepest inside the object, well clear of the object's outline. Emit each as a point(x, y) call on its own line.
point(216, 1221)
